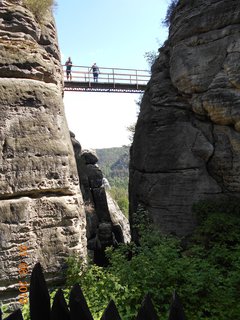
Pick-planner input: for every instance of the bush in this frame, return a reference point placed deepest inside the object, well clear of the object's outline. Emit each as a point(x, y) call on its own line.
point(39, 7)
point(205, 273)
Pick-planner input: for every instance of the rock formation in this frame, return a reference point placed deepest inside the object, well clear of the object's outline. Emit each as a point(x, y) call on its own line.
point(187, 141)
point(40, 200)
point(106, 224)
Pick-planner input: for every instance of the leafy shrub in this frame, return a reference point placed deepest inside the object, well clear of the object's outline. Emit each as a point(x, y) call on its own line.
point(205, 273)
point(39, 7)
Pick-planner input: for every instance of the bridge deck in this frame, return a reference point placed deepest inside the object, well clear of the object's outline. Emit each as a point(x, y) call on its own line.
point(103, 87)
point(109, 80)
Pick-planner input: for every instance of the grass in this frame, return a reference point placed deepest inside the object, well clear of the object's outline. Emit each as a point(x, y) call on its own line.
point(39, 7)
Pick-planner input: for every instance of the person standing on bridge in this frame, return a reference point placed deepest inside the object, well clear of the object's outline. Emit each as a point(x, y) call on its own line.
point(68, 65)
point(95, 71)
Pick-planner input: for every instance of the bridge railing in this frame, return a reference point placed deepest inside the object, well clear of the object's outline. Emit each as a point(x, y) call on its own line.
point(109, 75)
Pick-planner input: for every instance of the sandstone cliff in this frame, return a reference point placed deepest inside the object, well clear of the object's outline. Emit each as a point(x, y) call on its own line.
point(187, 141)
point(106, 224)
point(40, 200)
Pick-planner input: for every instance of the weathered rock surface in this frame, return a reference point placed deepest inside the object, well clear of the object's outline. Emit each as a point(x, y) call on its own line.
point(106, 224)
point(187, 141)
point(118, 219)
point(40, 200)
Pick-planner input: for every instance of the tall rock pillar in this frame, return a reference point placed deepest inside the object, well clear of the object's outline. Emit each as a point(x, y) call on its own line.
point(40, 200)
point(186, 146)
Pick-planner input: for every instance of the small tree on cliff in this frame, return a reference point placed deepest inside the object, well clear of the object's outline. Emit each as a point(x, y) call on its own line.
point(150, 57)
point(168, 18)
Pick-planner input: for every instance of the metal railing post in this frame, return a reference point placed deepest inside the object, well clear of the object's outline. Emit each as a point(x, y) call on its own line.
point(89, 79)
point(113, 78)
point(137, 78)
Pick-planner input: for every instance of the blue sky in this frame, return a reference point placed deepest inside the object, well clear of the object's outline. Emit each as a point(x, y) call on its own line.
point(112, 34)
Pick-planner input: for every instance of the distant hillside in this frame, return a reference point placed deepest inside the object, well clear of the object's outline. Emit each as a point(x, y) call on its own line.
point(114, 164)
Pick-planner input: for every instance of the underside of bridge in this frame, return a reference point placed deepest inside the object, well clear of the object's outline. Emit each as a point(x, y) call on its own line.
point(104, 87)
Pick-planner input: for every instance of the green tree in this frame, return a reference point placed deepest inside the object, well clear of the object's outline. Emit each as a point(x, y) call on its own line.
point(150, 57)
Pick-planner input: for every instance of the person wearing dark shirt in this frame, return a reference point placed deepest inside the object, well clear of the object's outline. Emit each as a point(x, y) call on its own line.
point(95, 71)
point(68, 65)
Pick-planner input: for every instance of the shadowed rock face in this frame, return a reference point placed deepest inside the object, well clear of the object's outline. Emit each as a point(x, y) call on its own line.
point(40, 200)
point(187, 141)
point(106, 224)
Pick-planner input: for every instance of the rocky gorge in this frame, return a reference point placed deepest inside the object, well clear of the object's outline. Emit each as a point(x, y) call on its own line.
point(186, 145)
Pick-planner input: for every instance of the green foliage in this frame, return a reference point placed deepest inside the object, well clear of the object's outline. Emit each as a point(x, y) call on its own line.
point(26, 307)
point(150, 57)
point(26, 311)
point(120, 195)
point(5, 310)
point(114, 165)
point(108, 156)
point(39, 7)
point(205, 272)
point(98, 286)
point(75, 269)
